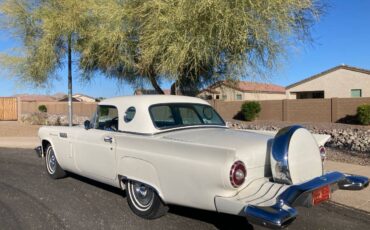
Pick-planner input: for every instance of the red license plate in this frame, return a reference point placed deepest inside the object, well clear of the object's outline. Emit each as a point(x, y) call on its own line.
point(320, 195)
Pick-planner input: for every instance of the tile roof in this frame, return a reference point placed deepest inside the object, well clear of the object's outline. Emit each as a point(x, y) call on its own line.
point(260, 87)
point(246, 86)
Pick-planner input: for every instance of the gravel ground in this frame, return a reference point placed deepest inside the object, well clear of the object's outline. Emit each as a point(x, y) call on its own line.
point(346, 156)
point(308, 125)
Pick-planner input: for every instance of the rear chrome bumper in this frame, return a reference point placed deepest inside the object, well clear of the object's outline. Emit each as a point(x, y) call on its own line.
point(273, 205)
point(283, 212)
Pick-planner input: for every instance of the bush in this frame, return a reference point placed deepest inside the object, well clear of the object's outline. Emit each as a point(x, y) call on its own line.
point(250, 110)
point(43, 108)
point(363, 114)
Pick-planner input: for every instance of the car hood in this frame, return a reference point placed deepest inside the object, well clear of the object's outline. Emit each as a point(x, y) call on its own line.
point(252, 148)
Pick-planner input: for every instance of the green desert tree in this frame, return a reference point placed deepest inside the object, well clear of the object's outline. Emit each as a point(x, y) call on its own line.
point(49, 31)
point(191, 41)
point(111, 46)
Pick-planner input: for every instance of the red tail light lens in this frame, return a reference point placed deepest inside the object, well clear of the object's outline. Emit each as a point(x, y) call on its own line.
point(238, 173)
point(322, 153)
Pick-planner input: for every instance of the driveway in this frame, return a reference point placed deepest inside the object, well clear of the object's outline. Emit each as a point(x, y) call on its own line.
point(30, 199)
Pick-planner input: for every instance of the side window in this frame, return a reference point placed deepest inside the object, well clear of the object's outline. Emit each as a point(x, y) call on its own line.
point(189, 116)
point(107, 118)
point(162, 116)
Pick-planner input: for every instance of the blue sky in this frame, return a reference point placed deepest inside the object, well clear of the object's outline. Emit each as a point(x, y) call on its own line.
point(342, 36)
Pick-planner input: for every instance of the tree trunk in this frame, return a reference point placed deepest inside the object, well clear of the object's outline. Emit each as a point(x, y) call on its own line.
point(187, 85)
point(153, 80)
point(70, 113)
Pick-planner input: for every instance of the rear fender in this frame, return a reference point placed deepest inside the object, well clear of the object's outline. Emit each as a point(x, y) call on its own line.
point(139, 170)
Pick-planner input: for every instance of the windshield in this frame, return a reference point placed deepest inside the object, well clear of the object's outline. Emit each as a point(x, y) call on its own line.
point(172, 115)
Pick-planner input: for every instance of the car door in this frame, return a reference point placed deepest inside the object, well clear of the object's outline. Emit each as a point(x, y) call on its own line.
point(95, 148)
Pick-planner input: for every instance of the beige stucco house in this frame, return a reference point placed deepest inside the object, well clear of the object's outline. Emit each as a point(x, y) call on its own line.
point(79, 98)
point(341, 81)
point(243, 90)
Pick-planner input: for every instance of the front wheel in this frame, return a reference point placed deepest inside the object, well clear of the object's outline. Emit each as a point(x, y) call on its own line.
point(144, 201)
point(52, 166)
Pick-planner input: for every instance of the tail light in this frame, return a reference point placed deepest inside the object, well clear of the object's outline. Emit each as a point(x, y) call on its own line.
point(238, 173)
point(322, 153)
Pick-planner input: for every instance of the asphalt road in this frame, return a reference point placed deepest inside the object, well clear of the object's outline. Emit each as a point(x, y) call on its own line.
point(30, 199)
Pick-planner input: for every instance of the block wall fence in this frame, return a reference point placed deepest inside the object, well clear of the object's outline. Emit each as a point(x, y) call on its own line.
point(305, 110)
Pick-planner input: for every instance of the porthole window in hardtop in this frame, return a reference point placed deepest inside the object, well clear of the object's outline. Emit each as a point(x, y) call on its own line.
point(129, 114)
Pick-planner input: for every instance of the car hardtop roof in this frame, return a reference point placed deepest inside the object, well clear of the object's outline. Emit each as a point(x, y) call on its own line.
point(142, 122)
point(148, 100)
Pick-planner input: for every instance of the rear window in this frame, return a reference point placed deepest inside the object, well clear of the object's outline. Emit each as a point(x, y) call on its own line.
point(177, 115)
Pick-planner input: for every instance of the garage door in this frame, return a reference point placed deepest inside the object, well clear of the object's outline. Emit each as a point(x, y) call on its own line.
point(8, 109)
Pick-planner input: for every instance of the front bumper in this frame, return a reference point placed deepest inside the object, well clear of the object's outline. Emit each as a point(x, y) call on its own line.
point(280, 211)
point(39, 151)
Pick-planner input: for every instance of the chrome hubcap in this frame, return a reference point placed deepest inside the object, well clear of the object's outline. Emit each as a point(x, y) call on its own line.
point(51, 161)
point(143, 195)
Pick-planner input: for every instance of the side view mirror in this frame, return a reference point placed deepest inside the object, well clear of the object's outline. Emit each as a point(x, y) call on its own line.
point(87, 124)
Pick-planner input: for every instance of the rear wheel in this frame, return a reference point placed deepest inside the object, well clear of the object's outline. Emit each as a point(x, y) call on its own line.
point(144, 201)
point(52, 166)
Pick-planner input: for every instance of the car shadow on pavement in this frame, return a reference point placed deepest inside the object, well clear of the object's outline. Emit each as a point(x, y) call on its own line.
point(219, 220)
point(98, 184)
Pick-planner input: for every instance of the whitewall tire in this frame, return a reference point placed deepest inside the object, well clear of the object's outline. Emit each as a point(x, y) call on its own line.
point(144, 200)
point(52, 166)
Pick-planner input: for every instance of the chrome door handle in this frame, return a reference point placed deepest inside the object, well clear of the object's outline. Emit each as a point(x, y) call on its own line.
point(108, 139)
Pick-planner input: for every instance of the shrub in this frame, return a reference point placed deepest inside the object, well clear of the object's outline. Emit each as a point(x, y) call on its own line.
point(363, 114)
point(43, 108)
point(250, 110)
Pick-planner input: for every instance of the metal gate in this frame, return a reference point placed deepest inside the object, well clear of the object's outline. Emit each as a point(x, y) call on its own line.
point(8, 109)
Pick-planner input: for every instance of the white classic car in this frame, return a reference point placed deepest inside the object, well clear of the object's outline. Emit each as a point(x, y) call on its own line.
point(177, 150)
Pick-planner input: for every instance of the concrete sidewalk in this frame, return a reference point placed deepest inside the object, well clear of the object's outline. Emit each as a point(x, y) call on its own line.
point(355, 199)
point(19, 142)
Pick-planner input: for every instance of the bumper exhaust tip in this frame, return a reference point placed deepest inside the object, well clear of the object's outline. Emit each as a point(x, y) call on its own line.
point(353, 182)
point(276, 216)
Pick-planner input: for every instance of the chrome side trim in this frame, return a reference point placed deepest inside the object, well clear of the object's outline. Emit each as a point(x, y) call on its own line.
point(279, 152)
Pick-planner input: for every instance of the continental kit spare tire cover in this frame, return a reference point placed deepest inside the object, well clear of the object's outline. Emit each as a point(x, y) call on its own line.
point(295, 156)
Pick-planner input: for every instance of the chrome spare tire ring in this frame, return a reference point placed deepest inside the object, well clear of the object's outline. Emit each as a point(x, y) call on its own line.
point(51, 161)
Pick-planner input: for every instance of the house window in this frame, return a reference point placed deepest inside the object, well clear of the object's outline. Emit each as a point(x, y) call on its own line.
point(356, 93)
point(310, 94)
point(239, 97)
point(217, 97)
point(224, 97)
